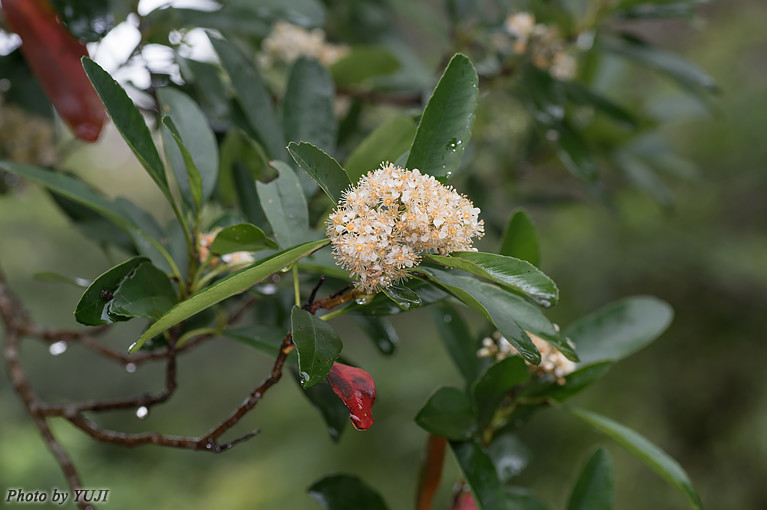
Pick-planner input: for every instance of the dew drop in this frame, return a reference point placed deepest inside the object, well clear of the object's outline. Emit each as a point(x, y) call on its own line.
point(132, 346)
point(57, 348)
point(142, 412)
point(363, 300)
point(268, 289)
point(447, 318)
point(284, 269)
point(276, 278)
point(304, 376)
point(130, 367)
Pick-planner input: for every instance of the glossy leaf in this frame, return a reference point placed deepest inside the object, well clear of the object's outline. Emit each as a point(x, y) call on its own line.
point(619, 329)
point(479, 471)
point(382, 305)
point(517, 274)
point(227, 287)
point(380, 331)
point(345, 492)
point(184, 167)
point(387, 143)
point(317, 343)
point(361, 64)
point(322, 168)
point(241, 237)
point(307, 109)
point(655, 458)
point(284, 205)
point(404, 297)
point(430, 475)
point(445, 127)
point(520, 239)
point(448, 413)
point(356, 389)
point(461, 345)
point(492, 386)
point(594, 489)
point(252, 95)
point(128, 121)
point(195, 134)
point(332, 410)
point(54, 56)
point(145, 292)
point(93, 307)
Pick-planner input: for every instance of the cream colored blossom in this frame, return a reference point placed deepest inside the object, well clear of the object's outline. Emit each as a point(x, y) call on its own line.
point(237, 258)
point(287, 42)
point(553, 363)
point(383, 225)
point(542, 43)
point(520, 26)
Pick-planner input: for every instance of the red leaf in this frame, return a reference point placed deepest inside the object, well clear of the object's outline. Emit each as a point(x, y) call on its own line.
point(464, 501)
point(431, 472)
point(358, 391)
point(54, 57)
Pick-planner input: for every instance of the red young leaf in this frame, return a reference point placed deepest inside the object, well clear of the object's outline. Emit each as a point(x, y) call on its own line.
point(431, 472)
point(54, 56)
point(464, 501)
point(356, 388)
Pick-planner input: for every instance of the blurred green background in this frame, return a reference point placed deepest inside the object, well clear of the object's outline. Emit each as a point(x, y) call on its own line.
point(698, 392)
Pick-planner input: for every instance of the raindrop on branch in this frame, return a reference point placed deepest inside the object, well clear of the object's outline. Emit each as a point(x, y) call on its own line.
point(57, 348)
point(142, 412)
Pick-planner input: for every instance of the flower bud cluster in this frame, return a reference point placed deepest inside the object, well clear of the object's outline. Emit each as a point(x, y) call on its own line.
point(545, 46)
point(553, 363)
point(288, 42)
point(391, 218)
point(237, 258)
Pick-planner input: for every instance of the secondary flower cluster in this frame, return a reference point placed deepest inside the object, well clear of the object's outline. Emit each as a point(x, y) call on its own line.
point(237, 258)
point(288, 42)
point(553, 363)
point(391, 218)
point(547, 49)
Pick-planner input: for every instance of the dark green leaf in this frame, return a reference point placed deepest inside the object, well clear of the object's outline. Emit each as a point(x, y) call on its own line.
point(345, 492)
point(521, 498)
point(382, 305)
point(619, 329)
point(445, 127)
point(241, 237)
point(227, 287)
point(575, 382)
point(581, 94)
point(387, 143)
point(317, 344)
point(195, 134)
point(284, 204)
point(184, 167)
point(267, 339)
point(252, 95)
point(460, 344)
point(330, 407)
point(574, 152)
point(492, 386)
point(655, 458)
point(520, 239)
point(94, 304)
point(247, 195)
point(363, 63)
point(404, 297)
point(307, 110)
point(147, 235)
point(480, 473)
point(594, 489)
point(643, 177)
point(145, 292)
point(52, 277)
point(322, 168)
point(128, 122)
point(160, 22)
point(383, 334)
point(510, 456)
point(517, 274)
point(448, 413)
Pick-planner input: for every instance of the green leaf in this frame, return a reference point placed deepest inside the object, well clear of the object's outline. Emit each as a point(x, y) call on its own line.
point(247, 195)
point(307, 110)
point(241, 237)
point(53, 277)
point(461, 345)
point(187, 175)
point(383, 334)
point(267, 339)
point(516, 274)
point(285, 207)
point(583, 95)
point(145, 292)
point(251, 93)
point(345, 492)
point(93, 307)
point(387, 143)
point(445, 127)
point(644, 177)
point(619, 329)
point(575, 153)
point(448, 413)
point(227, 287)
point(361, 64)
point(510, 456)
point(575, 382)
point(520, 239)
point(322, 168)
point(147, 234)
point(594, 489)
point(128, 121)
point(480, 473)
point(404, 297)
point(317, 344)
point(492, 386)
point(655, 458)
point(331, 408)
point(520, 498)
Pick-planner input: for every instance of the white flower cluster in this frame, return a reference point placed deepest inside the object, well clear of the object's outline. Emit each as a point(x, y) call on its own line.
point(553, 363)
point(288, 42)
point(383, 225)
point(547, 49)
point(237, 258)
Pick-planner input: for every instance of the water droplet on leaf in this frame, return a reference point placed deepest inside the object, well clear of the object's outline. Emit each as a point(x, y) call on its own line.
point(447, 318)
